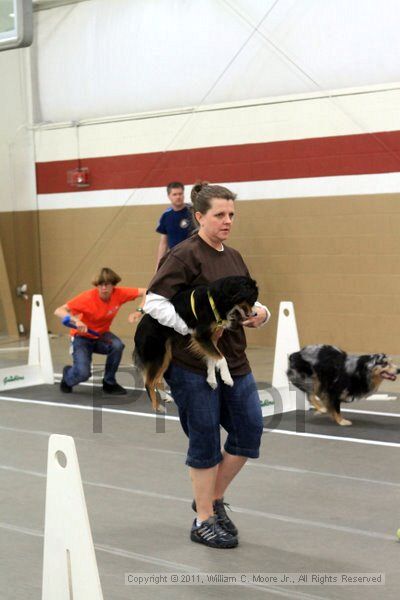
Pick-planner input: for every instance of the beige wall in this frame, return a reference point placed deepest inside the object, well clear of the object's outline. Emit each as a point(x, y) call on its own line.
point(76, 243)
point(19, 236)
point(337, 259)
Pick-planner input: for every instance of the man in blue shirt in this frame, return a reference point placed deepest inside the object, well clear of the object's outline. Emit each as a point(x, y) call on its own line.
point(175, 224)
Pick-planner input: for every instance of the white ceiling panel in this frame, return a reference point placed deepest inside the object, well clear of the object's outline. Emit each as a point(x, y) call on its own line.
point(101, 58)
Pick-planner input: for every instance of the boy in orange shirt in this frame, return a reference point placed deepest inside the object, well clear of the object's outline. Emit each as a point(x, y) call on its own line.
point(95, 309)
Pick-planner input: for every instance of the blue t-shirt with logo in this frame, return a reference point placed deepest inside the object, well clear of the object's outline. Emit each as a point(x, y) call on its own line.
point(176, 225)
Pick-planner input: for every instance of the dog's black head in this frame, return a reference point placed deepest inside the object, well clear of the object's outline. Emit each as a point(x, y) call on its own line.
point(235, 293)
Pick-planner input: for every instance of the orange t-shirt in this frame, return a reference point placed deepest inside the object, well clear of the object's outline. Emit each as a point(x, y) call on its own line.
point(96, 313)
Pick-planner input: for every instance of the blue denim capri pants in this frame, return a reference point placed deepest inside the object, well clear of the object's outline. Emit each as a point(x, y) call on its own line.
point(203, 410)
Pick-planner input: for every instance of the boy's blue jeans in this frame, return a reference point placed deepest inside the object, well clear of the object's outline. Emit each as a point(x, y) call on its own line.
point(83, 348)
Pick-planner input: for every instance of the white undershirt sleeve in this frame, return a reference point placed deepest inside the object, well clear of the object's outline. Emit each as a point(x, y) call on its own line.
point(163, 311)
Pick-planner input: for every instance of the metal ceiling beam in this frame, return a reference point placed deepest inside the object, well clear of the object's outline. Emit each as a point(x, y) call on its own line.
point(47, 4)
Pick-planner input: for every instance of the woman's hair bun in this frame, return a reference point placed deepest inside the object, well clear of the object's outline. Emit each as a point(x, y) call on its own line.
point(196, 189)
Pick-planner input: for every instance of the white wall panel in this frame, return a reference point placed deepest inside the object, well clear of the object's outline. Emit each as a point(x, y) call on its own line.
point(17, 160)
point(371, 111)
point(312, 187)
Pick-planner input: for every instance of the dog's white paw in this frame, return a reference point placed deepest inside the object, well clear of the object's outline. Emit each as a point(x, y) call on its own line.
point(345, 423)
point(222, 366)
point(228, 380)
point(211, 377)
point(212, 383)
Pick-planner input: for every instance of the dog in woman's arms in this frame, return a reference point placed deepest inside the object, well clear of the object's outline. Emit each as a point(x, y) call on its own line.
point(207, 311)
point(329, 376)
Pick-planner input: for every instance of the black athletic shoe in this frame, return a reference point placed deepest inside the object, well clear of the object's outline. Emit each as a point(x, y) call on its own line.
point(211, 534)
point(222, 517)
point(114, 389)
point(66, 389)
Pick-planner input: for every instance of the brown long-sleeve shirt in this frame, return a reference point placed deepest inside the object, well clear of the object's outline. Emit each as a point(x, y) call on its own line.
point(194, 262)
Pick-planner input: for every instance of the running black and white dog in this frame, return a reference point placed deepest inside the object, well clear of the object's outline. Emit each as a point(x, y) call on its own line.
point(329, 376)
point(205, 309)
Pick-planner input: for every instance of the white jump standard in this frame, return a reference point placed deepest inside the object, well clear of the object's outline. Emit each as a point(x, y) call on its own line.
point(281, 398)
point(39, 369)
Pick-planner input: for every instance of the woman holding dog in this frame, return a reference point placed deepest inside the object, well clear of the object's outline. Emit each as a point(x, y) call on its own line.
point(200, 260)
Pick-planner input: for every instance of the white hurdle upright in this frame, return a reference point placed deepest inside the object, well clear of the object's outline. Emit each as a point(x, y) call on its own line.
point(69, 560)
point(39, 369)
point(287, 341)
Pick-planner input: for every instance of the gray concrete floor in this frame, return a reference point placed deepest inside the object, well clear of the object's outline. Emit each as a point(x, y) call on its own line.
point(312, 503)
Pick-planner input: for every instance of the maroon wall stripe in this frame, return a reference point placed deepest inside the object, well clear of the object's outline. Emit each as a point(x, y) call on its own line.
point(315, 157)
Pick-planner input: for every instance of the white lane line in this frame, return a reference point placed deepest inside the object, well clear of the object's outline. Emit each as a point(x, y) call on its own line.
point(130, 413)
point(25, 530)
point(159, 450)
point(257, 465)
point(370, 412)
point(318, 524)
point(41, 433)
point(334, 437)
point(56, 404)
point(145, 558)
point(15, 349)
point(174, 566)
point(138, 389)
point(298, 471)
point(91, 383)
point(142, 389)
point(110, 550)
point(23, 471)
point(31, 431)
point(246, 511)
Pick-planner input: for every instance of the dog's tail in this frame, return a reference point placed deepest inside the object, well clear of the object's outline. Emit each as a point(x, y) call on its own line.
point(153, 374)
point(136, 359)
point(152, 354)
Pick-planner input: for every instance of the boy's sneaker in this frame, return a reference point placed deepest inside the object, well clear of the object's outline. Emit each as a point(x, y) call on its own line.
point(210, 533)
point(222, 517)
point(114, 389)
point(66, 389)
